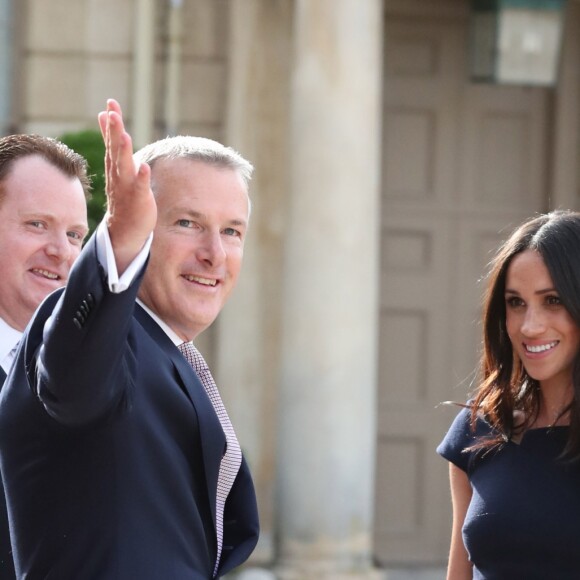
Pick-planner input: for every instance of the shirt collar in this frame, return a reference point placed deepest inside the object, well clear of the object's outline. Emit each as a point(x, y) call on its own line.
point(9, 338)
point(168, 331)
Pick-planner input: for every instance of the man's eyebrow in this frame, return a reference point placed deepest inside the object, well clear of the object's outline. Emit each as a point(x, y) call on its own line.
point(182, 210)
point(29, 215)
point(36, 214)
point(237, 222)
point(196, 214)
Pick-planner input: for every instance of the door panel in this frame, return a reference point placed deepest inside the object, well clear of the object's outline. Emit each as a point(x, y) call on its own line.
point(462, 164)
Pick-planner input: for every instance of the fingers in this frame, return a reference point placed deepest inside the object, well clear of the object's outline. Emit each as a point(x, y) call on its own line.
point(104, 126)
point(143, 180)
point(112, 106)
point(116, 138)
point(120, 170)
point(131, 208)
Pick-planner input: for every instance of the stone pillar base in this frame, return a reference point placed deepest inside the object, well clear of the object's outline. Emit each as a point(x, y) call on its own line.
point(327, 558)
point(312, 571)
point(308, 571)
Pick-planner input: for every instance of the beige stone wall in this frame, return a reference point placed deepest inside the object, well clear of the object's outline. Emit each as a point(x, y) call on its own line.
point(69, 65)
point(73, 54)
point(205, 49)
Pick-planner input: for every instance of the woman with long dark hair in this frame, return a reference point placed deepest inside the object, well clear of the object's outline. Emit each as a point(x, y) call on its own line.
point(514, 450)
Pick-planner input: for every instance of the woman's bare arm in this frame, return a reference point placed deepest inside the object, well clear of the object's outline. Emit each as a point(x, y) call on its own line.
point(460, 568)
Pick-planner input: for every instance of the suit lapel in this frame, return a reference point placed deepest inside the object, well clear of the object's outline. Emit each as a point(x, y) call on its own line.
point(33, 333)
point(211, 433)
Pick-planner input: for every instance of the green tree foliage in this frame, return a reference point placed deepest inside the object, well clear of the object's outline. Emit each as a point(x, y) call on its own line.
point(89, 144)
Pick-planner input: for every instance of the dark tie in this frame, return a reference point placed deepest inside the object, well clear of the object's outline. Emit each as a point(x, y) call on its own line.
point(232, 459)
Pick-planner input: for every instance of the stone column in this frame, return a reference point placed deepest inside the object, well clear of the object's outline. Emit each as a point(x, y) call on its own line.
point(565, 187)
point(247, 340)
point(6, 65)
point(143, 69)
point(173, 68)
point(326, 448)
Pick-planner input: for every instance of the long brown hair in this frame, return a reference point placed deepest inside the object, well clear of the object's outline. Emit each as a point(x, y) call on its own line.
point(505, 387)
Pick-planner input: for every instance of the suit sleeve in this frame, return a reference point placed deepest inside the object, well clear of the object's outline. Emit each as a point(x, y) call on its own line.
point(84, 364)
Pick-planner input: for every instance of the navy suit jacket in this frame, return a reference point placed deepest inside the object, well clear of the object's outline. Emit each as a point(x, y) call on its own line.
point(110, 447)
point(6, 562)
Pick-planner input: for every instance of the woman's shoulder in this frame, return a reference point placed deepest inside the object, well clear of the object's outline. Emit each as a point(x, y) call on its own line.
point(462, 435)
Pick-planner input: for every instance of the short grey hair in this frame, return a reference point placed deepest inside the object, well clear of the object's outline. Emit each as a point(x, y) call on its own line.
point(197, 149)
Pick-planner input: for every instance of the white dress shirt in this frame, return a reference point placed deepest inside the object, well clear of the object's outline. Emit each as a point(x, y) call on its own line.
point(9, 338)
point(106, 258)
point(168, 331)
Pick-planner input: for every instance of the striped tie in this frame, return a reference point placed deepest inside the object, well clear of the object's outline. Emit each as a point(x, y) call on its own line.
point(232, 459)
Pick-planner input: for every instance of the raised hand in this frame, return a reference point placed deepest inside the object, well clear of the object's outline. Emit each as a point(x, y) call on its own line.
point(131, 208)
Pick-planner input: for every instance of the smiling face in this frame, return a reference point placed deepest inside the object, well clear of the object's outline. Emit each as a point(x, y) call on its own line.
point(43, 217)
point(540, 329)
point(198, 242)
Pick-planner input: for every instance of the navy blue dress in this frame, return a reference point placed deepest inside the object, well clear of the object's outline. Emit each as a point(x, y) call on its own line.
point(523, 521)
